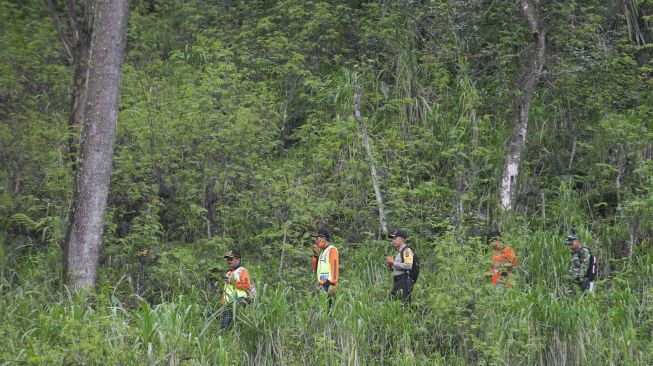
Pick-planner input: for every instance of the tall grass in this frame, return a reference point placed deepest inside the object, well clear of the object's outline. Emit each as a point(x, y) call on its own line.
point(456, 318)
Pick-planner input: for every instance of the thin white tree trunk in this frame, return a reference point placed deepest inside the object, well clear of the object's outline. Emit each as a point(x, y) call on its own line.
point(474, 129)
point(366, 143)
point(84, 234)
point(573, 153)
point(632, 232)
point(522, 108)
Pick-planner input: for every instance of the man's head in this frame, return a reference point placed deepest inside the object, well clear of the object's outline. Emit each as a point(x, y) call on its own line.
point(573, 243)
point(494, 239)
point(322, 237)
point(398, 238)
point(233, 258)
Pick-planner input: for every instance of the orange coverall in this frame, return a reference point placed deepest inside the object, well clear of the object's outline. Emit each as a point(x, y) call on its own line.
point(499, 258)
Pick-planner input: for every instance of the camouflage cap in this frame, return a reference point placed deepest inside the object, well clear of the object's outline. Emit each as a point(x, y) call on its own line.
point(570, 239)
point(493, 236)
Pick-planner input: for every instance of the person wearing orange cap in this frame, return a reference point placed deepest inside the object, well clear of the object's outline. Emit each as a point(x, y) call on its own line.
point(504, 260)
point(325, 263)
point(238, 288)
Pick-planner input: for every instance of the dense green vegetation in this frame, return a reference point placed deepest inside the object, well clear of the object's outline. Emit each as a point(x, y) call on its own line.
point(236, 129)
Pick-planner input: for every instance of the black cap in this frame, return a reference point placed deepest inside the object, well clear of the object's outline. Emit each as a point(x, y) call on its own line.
point(493, 236)
point(395, 233)
point(233, 254)
point(323, 232)
point(570, 239)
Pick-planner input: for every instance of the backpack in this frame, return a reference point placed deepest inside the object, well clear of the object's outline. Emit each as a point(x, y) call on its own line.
point(251, 293)
point(593, 267)
point(413, 274)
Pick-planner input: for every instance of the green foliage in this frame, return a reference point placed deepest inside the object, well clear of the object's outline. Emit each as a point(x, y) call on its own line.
point(456, 318)
point(236, 131)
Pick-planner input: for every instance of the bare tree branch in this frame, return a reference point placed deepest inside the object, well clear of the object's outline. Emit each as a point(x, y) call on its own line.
point(52, 11)
point(72, 20)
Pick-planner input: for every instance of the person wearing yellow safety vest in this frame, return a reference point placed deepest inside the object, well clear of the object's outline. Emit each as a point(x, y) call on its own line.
point(237, 287)
point(326, 263)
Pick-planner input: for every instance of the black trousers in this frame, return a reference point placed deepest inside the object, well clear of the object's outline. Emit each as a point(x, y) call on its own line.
point(325, 287)
point(402, 288)
point(227, 316)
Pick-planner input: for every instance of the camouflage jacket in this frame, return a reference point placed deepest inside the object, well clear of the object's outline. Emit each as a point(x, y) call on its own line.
point(580, 262)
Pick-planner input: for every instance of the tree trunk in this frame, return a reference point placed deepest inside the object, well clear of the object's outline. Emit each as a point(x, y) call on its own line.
point(366, 143)
point(522, 106)
point(283, 250)
point(460, 208)
point(84, 233)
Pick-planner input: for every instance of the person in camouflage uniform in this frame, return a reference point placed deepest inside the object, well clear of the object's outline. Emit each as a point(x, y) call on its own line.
point(580, 262)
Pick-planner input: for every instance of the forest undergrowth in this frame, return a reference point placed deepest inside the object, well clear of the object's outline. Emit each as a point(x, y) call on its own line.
point(456, 317)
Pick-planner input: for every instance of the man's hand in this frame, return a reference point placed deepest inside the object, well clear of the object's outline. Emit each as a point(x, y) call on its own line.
point(331, 291)
point(389, 262)
point(316, 250)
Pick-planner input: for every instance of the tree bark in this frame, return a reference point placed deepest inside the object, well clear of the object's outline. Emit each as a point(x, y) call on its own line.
point(366, 142)
point(86, 224)
point(522, 106)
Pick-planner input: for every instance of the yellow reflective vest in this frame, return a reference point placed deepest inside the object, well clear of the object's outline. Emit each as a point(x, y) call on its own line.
point(231, 293)
point(324, 270)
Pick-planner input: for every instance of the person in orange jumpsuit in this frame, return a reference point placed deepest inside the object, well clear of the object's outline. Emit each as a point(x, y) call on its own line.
point(325, 263)
point(504, 260)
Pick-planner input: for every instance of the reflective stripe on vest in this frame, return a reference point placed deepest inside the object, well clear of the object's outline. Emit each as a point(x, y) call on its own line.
point(230, 291)
point(324, 267)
